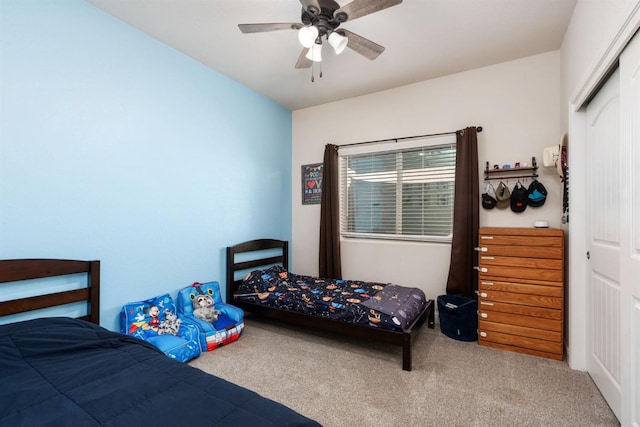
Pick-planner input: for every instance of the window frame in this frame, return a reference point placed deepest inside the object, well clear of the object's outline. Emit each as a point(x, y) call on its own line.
point(397, 146)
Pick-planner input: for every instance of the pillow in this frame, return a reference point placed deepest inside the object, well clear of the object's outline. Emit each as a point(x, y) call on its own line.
point(264, 280)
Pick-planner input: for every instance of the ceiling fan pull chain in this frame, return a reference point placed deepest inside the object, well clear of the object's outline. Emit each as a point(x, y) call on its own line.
point(312, 78)
point(321, 70)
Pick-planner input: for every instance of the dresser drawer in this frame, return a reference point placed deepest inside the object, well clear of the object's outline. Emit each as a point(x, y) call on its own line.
point(521, 231)
point(522, 299)
point(513, 261)
point(516, 240)
point(521, 273)
point(522, 342)
point(548, 252)
point(525, 310)
point(521, 288)
point(519, 320)
point(521, 331)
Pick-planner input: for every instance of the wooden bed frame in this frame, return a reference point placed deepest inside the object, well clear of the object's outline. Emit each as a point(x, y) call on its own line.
point(401, 338)
point(25, 269)
point(238, 403)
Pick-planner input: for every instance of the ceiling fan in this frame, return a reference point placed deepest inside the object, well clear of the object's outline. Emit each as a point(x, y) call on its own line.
point(322, 19)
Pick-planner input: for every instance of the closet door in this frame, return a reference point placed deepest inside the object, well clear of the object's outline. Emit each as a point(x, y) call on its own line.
point(630, 224)
point(603, 241)
point(613, 237)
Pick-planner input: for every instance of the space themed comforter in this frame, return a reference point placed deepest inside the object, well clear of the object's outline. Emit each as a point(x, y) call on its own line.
point(67, 372)
point(379, 305)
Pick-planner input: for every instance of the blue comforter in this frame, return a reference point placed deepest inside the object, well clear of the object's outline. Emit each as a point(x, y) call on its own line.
point(67, 372)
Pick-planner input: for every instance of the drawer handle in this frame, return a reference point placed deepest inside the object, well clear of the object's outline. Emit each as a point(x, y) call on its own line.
point(487, 257)
point(482, 334)
point(486, 303)
point(483, 315)
point(481, 269)
point(483, 294)
point(481, 249)
point(487, 283)
point(487, 237)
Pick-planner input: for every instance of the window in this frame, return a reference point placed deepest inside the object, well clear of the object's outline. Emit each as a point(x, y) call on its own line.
point(400, 191)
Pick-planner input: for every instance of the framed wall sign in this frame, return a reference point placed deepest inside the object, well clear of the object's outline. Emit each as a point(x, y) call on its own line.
point(311, 183)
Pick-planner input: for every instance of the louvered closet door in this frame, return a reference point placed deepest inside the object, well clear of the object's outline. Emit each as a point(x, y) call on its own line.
point(603, 241)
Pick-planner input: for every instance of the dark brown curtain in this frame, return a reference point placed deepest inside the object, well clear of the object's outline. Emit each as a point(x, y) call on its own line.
point(463, 277)
point(330, 265)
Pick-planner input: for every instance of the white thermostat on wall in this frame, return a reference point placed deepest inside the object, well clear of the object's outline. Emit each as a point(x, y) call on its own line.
point(541, 224)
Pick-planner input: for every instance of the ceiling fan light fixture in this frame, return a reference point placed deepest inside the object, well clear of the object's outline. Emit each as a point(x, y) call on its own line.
point(338, 42)
point(321, 19)
point(315, 53)
point(308, 35)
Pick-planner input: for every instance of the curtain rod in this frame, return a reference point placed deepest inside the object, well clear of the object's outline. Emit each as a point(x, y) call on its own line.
point(478, 128)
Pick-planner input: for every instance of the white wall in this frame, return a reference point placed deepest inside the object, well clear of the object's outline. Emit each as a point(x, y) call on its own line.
point(518, 105)
point(598, 30)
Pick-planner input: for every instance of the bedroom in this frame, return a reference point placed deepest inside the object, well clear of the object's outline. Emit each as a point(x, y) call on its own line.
point(95, 114)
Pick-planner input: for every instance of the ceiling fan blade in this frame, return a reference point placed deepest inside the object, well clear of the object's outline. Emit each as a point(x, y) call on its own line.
point(364, 47)
point(311, 6)
point(359, 8)
point(303, 61)
point(259, 28)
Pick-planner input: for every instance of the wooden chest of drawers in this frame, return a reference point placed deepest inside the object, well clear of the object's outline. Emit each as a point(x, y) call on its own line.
point(521, 290)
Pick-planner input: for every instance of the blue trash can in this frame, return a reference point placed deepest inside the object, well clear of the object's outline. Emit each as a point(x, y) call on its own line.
point(458, 317)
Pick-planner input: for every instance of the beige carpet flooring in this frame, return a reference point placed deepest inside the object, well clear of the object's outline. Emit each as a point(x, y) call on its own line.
point(345, 382)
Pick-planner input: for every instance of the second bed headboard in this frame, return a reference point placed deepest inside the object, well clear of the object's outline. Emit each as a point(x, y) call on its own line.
point(250, 262)
point(16, 270)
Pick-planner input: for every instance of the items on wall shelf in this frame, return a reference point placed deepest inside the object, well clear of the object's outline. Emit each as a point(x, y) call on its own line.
point(506, 171)
point(520, 196)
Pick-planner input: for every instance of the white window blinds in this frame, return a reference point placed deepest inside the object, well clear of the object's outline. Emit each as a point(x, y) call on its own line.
point(401, 191)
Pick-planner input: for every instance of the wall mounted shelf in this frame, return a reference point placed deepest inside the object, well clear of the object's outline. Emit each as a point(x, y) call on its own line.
point(506, 173)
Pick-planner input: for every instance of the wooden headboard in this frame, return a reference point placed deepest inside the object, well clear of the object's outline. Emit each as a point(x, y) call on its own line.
point(281, 246)
point(24, 269)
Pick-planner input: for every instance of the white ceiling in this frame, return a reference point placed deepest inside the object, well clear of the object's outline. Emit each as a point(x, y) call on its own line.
point(424, 39)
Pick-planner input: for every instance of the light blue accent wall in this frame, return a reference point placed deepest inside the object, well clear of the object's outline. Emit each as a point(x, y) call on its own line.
point(114, 146)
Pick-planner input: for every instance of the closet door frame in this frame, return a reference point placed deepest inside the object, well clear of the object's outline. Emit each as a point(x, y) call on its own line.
point(577, 260)
point(576, 265)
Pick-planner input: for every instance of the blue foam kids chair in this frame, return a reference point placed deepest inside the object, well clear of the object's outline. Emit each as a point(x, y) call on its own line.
point(155, 320)
point(230, 319)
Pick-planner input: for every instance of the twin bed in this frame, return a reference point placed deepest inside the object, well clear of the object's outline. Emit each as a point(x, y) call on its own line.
point(70, 371)
point(375, 311)
point(64, 371)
